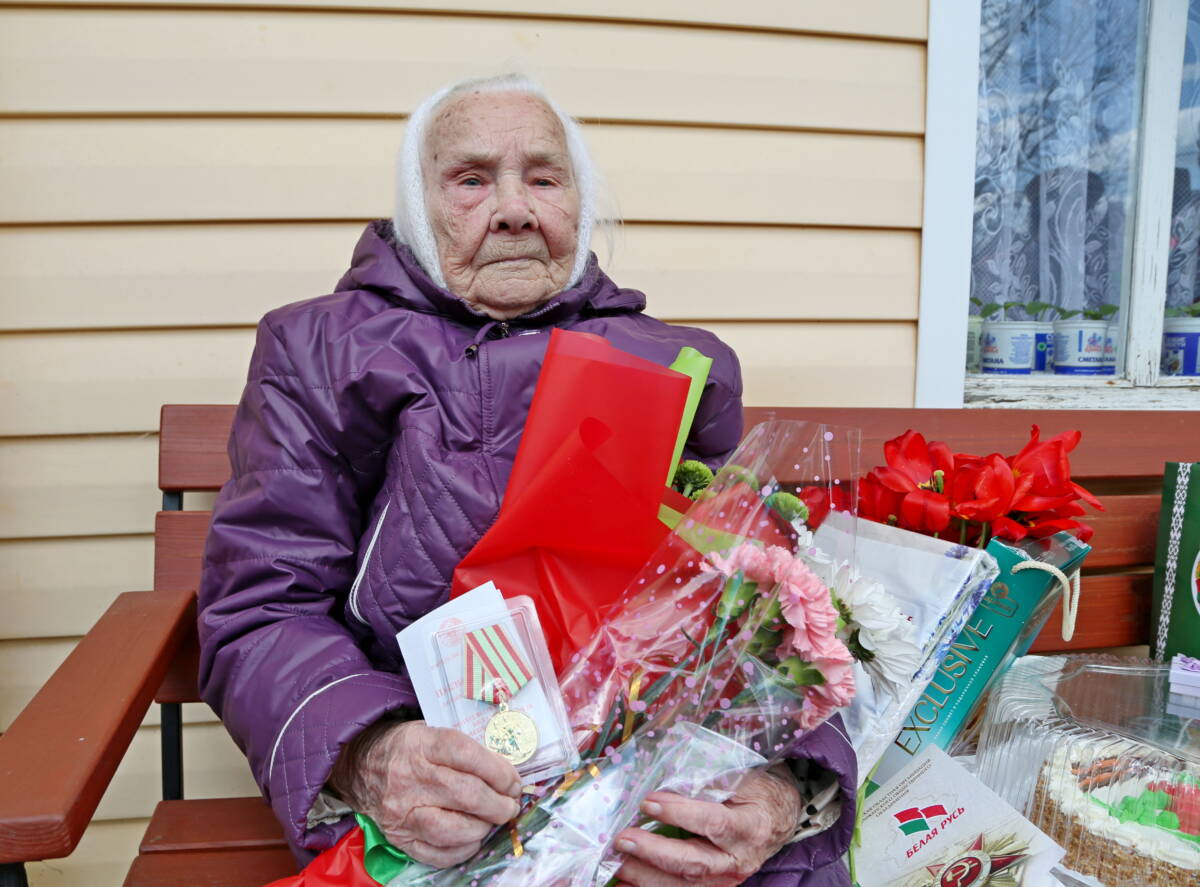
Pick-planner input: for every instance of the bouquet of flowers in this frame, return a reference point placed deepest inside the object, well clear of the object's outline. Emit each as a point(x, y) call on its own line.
point(727, 649)
point(927, 488)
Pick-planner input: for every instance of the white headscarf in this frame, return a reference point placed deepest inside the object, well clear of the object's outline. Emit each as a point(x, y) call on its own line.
point(412, 220)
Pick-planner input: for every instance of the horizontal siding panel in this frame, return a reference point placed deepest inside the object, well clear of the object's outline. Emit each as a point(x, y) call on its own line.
point(213, 767)
point(793, 274)
point(59, 587)
point(79, 486)
point(101, 860)
point(123, 170)
point(179, 62)
point(898, 19)
point(26, 665)
point(72, 383)
point(185, 275)
point(825, 364)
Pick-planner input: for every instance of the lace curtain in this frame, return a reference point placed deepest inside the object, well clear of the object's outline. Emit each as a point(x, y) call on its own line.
point(1059, 105)
point(1182, 265)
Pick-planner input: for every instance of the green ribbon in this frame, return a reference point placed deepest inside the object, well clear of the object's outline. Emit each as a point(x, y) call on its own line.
point(696, 367)
point(383, 862)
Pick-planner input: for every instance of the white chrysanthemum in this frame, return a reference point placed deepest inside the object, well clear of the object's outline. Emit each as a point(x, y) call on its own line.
point(884, 630)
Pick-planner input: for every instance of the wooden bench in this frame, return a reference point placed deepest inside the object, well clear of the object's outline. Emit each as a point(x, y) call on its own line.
point(59, 755)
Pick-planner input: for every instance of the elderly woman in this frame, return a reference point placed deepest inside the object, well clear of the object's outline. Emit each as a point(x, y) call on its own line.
point(370, 452)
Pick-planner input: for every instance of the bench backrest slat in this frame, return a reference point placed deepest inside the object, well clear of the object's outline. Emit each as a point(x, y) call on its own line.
point(1122, 454)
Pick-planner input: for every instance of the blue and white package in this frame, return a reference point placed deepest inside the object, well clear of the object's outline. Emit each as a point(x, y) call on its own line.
point(1043, 358)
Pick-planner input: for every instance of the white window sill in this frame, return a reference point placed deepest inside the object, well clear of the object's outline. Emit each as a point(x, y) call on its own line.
point(1079, 393)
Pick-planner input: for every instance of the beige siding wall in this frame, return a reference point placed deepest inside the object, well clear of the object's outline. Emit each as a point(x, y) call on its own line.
point(168, 173)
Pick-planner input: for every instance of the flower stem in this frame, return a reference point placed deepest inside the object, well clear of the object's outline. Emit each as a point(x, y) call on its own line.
point(983, 536)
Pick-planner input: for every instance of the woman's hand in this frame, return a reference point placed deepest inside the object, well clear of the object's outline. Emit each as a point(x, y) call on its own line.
point(735, 838)
point(435, 793)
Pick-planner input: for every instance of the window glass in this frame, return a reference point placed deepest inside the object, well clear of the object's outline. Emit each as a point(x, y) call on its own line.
point(1059, 114)
point(1181, 327)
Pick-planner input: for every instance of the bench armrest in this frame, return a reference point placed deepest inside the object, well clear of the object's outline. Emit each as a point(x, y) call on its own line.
point(57, 759)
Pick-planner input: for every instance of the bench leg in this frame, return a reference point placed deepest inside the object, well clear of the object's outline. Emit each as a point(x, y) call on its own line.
point(172, 752)
point(12, 874)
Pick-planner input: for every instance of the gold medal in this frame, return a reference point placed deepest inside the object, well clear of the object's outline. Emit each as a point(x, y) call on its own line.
point(494, 669)
point(512, 735)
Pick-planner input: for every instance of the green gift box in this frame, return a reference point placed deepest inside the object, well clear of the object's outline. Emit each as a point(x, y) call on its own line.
point(1175, 613)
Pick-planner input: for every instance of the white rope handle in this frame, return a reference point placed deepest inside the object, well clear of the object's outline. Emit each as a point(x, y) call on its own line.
point(1070, 589)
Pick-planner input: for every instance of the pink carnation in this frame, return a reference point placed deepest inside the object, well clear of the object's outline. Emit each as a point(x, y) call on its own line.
point(749, 559)
point(821, 701)
point(809, 610)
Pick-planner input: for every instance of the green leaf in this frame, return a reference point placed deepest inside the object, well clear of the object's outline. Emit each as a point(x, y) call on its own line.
point(801, 673)
point(1102, 313)
point(1038, 308)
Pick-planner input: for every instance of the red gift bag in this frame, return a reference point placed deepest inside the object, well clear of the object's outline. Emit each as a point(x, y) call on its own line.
point(580, 513)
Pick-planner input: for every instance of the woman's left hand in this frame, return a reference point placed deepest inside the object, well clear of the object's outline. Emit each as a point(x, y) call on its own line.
point(734, 838)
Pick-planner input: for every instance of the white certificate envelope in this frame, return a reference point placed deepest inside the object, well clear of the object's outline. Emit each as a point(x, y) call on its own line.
point(433, 653)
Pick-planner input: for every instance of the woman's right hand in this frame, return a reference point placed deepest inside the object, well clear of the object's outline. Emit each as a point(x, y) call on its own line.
point(435, 793)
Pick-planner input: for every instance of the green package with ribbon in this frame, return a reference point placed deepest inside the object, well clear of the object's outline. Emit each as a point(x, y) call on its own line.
point(1175, 607)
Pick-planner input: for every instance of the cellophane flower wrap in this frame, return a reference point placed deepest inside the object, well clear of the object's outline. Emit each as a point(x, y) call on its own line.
point(725, 651)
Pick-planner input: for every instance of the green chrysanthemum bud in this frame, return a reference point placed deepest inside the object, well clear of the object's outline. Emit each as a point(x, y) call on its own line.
point(732, 474)
point(790, 508)
point(691, 477)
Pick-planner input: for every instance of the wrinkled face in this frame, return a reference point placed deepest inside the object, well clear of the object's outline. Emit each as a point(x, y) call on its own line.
point(502, 201)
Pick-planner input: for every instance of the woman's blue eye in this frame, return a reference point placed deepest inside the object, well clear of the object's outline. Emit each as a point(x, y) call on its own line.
point(543, 182)
point(472, 180)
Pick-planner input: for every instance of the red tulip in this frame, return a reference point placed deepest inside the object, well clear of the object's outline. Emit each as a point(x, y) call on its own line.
point(982, 489)
point(925, 512)
point(876, 502)
point(1007, 528)
point(1043, 474)
point(912, 464)
point(912, 485)
point(820, 503)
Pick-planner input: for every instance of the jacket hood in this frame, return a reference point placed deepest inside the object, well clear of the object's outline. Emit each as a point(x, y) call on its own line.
point(384, 266)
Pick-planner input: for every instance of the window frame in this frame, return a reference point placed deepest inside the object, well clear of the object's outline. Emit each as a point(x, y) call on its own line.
point(952, 96)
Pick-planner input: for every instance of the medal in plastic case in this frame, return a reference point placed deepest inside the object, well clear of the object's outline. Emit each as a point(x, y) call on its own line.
point(494, 671)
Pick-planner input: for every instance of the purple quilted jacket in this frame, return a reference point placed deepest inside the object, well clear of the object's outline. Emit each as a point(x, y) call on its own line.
point(370, 452)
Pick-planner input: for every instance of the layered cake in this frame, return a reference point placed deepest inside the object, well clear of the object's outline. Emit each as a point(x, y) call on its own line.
point(1086, 748)
point(1117, 820)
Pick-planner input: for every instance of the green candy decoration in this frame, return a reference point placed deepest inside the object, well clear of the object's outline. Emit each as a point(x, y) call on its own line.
point(1156, 800)
point(1167, 819)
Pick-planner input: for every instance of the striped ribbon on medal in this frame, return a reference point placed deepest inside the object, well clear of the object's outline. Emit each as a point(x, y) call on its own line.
point(495, 670)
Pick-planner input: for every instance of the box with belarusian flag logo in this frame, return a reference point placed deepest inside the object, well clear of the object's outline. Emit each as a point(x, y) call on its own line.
point(933, 824)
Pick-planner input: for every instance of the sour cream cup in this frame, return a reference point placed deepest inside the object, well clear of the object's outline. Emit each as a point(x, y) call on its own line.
point(974, 329)
point(1007, 347)
point(1181, 346)
point(1079, 347)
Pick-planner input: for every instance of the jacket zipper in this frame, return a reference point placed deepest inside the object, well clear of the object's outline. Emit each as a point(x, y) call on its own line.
point(472, 353)
point(362, 570)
